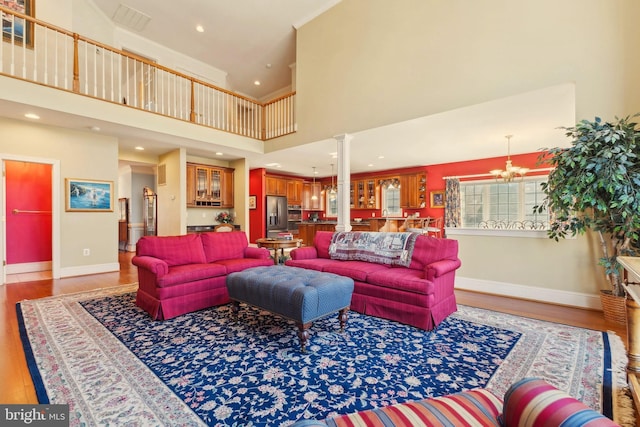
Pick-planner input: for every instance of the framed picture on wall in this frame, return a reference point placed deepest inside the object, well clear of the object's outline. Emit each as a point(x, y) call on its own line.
point(85, 195)
point(15, 29)
point(437, 199)
point(252, 202)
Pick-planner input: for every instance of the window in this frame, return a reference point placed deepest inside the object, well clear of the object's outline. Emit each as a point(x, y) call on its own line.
point(391, 201)
point(503, 205)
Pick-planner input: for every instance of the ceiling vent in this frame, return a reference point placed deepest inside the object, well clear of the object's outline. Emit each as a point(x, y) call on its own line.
point(130, 18)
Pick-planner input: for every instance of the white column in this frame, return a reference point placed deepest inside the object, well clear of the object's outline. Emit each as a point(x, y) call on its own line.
point(344, 180)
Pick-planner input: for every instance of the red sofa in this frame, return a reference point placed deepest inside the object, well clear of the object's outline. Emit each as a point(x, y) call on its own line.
point(420, 295)
point(180, 274)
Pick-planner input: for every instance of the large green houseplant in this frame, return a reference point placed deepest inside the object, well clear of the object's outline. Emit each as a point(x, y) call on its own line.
point(595, 185)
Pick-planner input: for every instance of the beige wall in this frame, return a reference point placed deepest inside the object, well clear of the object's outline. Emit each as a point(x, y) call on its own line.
point(81, 155)
point(172, 197)
point(368, 63)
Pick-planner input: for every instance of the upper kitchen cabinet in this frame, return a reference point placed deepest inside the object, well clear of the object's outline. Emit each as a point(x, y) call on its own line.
point(294, 192)
point(413, 190)
point(209, 186)
point(275, 186)
point(309, 202)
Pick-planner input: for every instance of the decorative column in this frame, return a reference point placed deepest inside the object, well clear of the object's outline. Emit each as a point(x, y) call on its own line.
point(344, 181)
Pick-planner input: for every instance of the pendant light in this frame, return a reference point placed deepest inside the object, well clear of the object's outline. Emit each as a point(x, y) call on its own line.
point(313, 191)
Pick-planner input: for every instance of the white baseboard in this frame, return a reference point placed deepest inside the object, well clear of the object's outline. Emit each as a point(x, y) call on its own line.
point(89, 269)
point(28, 267)
point(554, 296)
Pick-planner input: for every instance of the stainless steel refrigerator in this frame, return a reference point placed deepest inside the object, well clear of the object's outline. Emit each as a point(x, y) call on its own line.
point(276, 215)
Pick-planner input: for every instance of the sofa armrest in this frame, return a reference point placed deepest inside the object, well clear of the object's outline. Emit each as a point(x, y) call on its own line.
point(259, 253)
point(534, 402)
point(305, 252)
point(440, 268)
point(154, 265)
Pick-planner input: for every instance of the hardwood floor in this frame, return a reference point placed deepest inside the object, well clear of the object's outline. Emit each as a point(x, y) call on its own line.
point(16, 380)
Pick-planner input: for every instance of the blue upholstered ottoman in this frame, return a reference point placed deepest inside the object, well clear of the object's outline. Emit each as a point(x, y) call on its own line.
point(295, 293)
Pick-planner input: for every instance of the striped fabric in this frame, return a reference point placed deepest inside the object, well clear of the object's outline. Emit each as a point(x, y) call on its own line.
point(534, 402)
point(473, 408)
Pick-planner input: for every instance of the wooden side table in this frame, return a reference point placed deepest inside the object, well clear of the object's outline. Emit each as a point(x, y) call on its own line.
point(278, 244)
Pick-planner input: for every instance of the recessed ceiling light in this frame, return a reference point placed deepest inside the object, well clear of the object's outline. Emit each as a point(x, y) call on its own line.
point(334, 155)
point(33, 116)
point(381, 157)
point(218, 153)
point(271, 165)
point(257, 83)
point(200, 28)
point(139, 148)
point(95, 128)
point(370, 165)
point(268, 65)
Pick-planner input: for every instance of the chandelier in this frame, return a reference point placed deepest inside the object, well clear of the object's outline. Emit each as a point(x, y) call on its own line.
point(510, 172)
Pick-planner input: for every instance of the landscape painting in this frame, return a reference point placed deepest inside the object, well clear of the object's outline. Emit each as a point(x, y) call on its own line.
point(84, 195)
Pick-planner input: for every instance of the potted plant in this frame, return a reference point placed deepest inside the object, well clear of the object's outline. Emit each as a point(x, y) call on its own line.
point(595, 185)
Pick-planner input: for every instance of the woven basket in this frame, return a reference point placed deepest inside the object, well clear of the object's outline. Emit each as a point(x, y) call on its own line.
point(614, 307)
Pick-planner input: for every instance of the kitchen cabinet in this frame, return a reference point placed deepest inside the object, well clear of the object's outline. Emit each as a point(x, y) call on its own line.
point(227, 188)
point(275, 186)
point(209, 186)
point(294, 192)
point(364, 194)
point(308, 191)
point(413, 191)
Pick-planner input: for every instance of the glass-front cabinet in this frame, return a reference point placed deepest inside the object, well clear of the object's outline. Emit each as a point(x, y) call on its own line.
point(209, 186)
point(364, 194)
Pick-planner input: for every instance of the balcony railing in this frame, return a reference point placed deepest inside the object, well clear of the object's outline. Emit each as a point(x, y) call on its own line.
point(38, 52)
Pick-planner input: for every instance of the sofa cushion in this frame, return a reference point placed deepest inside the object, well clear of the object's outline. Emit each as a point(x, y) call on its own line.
point(477, 407)
point(405, 279)
point(180, 274)
point(219, 246)
point(317, 264)
point(174, 250)
point(357, 270)
point(239, 264)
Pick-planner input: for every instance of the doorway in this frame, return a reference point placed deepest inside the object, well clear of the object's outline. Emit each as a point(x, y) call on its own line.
point(29, 199)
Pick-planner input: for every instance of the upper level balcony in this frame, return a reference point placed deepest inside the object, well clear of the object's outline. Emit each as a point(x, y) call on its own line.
point(35, 51)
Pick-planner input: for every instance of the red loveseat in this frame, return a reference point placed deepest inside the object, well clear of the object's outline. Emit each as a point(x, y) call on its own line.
point(420, 295)
point(181, 274)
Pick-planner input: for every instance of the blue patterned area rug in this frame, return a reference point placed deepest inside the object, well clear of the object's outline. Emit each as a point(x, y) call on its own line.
point(113, 365)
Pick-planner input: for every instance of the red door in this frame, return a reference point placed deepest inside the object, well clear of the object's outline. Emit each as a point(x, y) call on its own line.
point(28, 202)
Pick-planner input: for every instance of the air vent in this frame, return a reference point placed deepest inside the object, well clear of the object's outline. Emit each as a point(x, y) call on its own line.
point(130, 18)
point(162, 174)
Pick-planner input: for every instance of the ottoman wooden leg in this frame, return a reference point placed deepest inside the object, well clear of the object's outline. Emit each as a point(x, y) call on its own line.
point(235, 307)
point(303, 334)
point(342, 317)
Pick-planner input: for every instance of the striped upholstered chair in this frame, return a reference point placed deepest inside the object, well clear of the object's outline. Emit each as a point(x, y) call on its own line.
point(529, 402)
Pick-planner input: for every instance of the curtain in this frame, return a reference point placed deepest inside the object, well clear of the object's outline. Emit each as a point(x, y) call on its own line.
point(452, 203)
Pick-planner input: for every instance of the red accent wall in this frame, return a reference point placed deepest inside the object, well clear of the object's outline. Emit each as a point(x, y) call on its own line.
point(28, 234)
point(435, 173)
point(257, 216)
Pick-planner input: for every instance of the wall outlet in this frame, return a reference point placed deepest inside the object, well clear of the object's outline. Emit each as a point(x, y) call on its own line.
point(86, 252)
